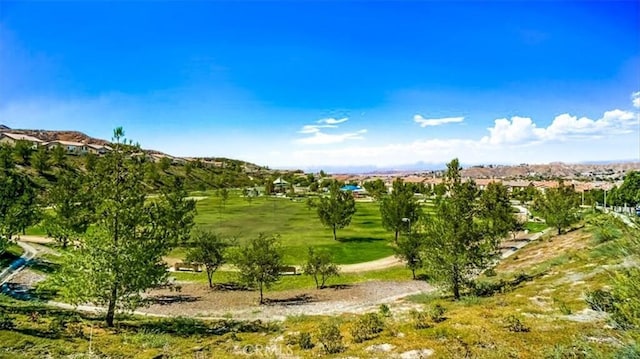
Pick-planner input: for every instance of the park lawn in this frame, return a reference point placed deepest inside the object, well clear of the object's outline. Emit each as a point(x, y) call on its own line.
point(534, 227)
point(11, 253)
point(297, 225)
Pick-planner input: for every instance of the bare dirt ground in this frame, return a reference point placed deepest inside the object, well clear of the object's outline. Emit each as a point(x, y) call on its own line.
point(200, 301)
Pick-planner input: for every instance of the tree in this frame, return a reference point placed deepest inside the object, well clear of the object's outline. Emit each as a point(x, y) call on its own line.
point(59, 156)
point(208, 249)
point(121, 255)
point(6, 157)
point(72, 206)
point(164, 163)
point(259, 262)
point(496, 210)
point(90, 161)
point(18, 205)
point(399, 209)
point(629, 191)
point(409, 249)
point(336, 210)
point(40, 159)
point(320, 266)
point(23, 150)
point(376, 188)
point(455, 248)
point(558, 206)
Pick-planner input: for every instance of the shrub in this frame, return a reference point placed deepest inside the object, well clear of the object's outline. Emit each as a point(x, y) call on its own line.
point(384, 310)
point(304, 341)
point(564, 309)
point(367, 327)
point(513, 323)
point(7, 322)
point(436, 313)
point(330, 337)
point(419, 319)
point(600, 300)
point(490, 272)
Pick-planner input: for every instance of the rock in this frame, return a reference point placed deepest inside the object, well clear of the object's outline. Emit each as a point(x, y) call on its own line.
point(417, 354)
point(380, 348)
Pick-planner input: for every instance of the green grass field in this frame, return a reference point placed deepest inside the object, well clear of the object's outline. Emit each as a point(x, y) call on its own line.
point(298, 226)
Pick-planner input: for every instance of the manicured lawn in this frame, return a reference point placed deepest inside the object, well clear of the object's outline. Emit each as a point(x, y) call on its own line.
point(298, 226)
point(535, 227)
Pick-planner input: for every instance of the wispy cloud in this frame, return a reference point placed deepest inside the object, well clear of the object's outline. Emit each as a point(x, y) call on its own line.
point(426, 122)
point(320, 138)
point(635, 99)
point(333, 121)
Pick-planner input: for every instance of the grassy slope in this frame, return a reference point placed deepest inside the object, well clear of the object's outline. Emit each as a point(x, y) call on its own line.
point(559, 272)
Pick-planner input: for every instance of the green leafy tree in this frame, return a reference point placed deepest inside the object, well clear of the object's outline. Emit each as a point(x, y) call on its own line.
point(496, 211)
point(90, 161)
point(629, 191)
point(23, 150)
point(164, 163)
point(72, 205)
point(58, 156)
point(259, 262)
point(455, 245)
point(336, 210)
point(208, 249)
point(376, 188)
point(6, 157)
point(18, 205)
point(409, 249)
point(558, 206)
point(320, 266)
point(399, 209)
point(121, 255)
point(40, 159)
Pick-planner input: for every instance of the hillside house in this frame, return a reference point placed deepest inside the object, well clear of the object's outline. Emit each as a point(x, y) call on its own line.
point(72, 148)
point(10, 139)
point(98, 149)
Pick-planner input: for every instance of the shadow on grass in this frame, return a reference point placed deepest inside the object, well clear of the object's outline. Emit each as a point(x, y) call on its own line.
point(43, 266)
point(360, 240)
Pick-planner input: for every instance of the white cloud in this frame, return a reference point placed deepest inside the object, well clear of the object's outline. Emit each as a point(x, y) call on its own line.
point(314, 128)
point(523, 131)
point(635, 99)
point(320, 138)
point(425, 122)
point(333, 121)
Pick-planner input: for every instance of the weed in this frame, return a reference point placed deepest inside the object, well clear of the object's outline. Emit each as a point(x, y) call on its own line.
point(419, 319)
point(436, 313)
point(304, 341)
point(384, 310)
point(490, 272)
point(600, 300)
point(514, 323)
point(7, 322)
point(564, 309)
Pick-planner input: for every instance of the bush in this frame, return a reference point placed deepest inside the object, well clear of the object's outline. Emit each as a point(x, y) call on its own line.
point(367, 327)
point(330, 337)
point(304, 341)
point(384, 310)
point(490, 272)
point(436, 313)
point(419, 319)
point(600, 300)
point(7, 322)
point(513, 323)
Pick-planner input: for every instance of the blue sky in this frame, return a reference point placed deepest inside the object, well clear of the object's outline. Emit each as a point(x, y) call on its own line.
point(329, 83)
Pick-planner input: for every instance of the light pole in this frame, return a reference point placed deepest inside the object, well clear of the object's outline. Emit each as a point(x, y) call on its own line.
point(408, 220)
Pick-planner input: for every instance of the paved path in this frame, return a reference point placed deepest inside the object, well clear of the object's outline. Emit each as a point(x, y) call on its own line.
point(17, 265)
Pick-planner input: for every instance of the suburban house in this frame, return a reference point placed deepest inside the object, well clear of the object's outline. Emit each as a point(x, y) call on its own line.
point(98, 149)
point(11, 139)
point(76, 148)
